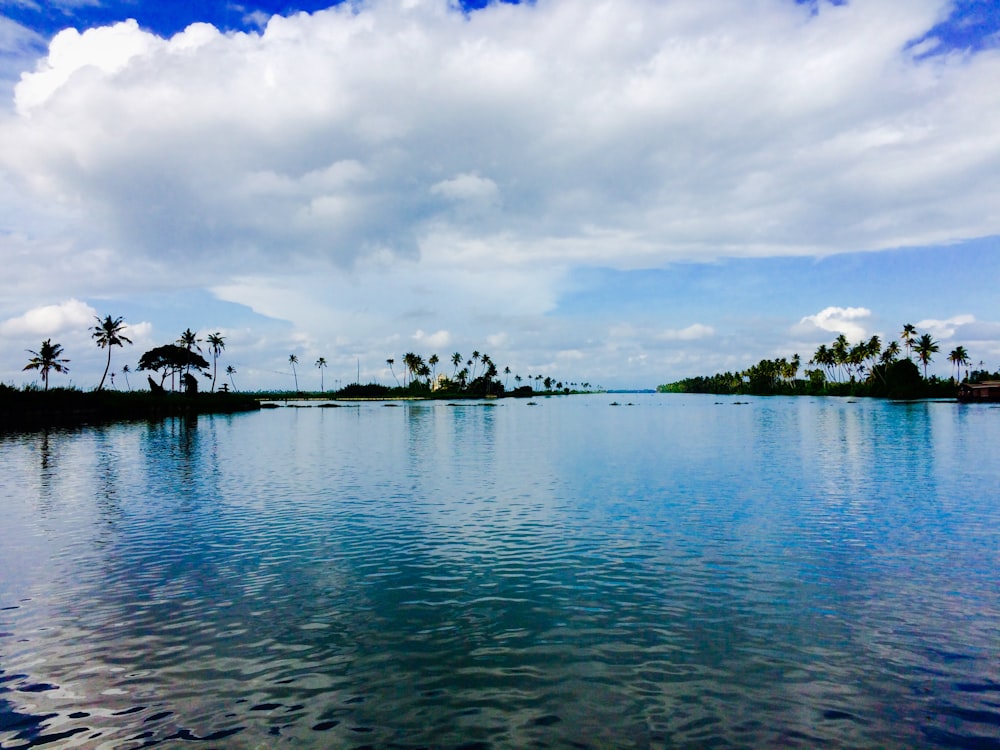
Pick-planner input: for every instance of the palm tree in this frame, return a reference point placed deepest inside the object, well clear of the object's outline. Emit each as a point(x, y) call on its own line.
point(391, 362)
point(958, 357)
point(456, 360)
point(108, 333)
point(293, 360)
point(47, 358)
point(908, 334)
point(125, 372)
point(321, 364)
point(189, 340)
point(506, 376)
point(925, 347)
point(891, 353)
point(433, 362)
point(230, 371)
point(823, 358)
point(217, 344)
point(841, 353)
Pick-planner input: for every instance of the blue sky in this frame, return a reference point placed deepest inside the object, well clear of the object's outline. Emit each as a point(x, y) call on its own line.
point(622, 193)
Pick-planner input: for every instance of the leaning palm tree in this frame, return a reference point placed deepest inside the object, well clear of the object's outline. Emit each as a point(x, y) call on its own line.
point(108, 333)
point(293, 360)
point(230, 371)
point(125, 372)
point(217, 343)
point(46, 359)
point(321, 364)
point(925, 347)
point(391, 362)
point(841, 352)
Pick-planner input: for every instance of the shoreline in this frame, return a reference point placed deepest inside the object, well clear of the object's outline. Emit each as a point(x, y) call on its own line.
point(32, 410)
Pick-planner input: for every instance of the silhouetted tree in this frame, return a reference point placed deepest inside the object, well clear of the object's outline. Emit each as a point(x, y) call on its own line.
point(216, 344)
point(293, 360)
point(171, 358)
point(47, 358)
point(108, 333)
point(321, 364)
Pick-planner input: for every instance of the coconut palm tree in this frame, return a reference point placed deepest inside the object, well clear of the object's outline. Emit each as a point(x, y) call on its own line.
point(189, 340)
point(841, 353)
point(456, 360)
point(925, 347)
point(891, 353)
point(391, 362)
point(433, 362)
point(506, 376)
point(907, 336)
point(822, 358)
point(46, 359)
point(958, 357)
point(217, 343)
point(321, 364)
point(108, 333)
point(230, 371)
point(125, 371)
point(293, 360)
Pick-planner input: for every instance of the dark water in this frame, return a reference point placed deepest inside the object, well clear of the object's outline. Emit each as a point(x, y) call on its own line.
point(672, 573)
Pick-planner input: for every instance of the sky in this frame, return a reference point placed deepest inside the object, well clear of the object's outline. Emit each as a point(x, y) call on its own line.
point(619, 192)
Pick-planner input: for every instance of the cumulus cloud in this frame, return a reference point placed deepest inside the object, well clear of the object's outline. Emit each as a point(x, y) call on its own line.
point(627, 136)
point(945, 329)
point(846, 320)
point(50, 320)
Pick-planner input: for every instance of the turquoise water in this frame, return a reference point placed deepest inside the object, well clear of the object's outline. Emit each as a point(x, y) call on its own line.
point(676, 571)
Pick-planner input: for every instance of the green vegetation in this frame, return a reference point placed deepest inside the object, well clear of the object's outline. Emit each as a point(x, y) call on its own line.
point(842, 369)
point(29, 406)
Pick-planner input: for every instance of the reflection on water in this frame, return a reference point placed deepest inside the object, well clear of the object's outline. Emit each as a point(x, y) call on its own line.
point(788, 572)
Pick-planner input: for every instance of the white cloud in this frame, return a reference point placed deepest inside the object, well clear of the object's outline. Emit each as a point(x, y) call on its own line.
point(636, 136)
point(437, 340)
point(944, 329)
point(50, 320)
point(691, 333)
point(846, 320)
point(467, 187)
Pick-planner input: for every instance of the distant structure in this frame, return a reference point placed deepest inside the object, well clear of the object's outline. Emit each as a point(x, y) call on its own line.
point(988, 390)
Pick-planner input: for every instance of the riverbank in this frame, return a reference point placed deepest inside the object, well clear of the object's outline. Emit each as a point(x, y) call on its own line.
point(32, 409)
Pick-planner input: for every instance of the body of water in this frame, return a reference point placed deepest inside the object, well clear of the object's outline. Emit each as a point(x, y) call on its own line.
point(674, 571)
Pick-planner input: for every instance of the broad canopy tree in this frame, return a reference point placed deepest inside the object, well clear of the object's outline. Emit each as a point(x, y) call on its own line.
point(171, 358)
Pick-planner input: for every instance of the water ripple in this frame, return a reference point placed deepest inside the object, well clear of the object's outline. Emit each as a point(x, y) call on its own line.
point(567, 576)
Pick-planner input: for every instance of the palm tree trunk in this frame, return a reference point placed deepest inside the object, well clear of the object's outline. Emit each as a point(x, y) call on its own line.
point(106, 368)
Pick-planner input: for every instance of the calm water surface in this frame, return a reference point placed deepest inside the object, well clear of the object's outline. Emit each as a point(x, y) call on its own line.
point(670, 572)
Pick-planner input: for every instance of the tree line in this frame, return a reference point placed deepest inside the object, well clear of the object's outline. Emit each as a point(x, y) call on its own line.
point(866, 368)
point(476, 376)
